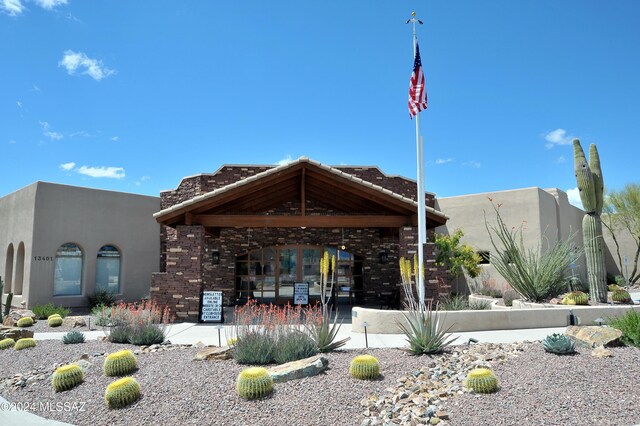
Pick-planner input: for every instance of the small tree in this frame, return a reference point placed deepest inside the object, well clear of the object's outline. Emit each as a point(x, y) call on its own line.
point(457, 257)
point(623, 215)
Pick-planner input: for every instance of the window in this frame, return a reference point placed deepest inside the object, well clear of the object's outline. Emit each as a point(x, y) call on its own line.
point(19, 272)
point(8, 269)
point(108, 270)
point(68, 271)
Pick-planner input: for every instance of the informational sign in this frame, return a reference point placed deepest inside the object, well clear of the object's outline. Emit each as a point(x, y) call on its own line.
point(211, 307)
point(301, 294)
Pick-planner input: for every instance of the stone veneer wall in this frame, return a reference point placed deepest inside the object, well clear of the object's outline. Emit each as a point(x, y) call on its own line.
point(187, 268)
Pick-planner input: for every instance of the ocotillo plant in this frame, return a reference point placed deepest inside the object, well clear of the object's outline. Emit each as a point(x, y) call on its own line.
point(591, 185)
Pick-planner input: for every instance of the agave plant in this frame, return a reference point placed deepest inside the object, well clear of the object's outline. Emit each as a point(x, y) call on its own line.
point(423, 329)
point(559, 344)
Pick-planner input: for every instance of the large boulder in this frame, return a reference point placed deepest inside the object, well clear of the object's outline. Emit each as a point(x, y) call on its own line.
point(214, 353)
point(15, 333)
point(592, 336)
point(74, 322)
point(298, 369)
point(11, 320)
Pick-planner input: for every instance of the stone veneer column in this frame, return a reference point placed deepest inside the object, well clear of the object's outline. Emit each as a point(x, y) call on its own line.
point(179, 287)
point(408, 247)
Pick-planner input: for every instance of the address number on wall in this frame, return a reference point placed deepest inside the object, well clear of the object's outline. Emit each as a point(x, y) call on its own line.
point(43, 258)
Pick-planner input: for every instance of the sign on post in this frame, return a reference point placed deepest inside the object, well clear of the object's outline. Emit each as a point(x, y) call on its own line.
point(301, 294)
point(211, 307)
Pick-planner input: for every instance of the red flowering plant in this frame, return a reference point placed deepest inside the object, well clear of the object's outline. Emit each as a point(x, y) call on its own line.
point(139, 323)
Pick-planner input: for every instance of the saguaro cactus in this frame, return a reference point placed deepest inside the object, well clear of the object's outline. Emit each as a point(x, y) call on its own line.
point(591, 187)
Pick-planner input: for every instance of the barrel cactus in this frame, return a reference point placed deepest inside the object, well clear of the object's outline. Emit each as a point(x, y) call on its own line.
point(253, 383)
point(364, 367)
point(482, 380)
point(614, 287)
point(7, 343)
point(559, 344)
point(53, 316)
point(621, 296)
point(67, 377)
point(576, 298)
point(25, 343)
point(25, 322)
point(122, 392)
point(591, 187)
point(120, 363)
point(54, 321)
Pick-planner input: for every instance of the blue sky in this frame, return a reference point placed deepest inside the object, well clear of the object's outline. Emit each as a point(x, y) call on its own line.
point(132, 96)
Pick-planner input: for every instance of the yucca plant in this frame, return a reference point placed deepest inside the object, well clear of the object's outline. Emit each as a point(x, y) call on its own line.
point(423, 330)
point(326, 331)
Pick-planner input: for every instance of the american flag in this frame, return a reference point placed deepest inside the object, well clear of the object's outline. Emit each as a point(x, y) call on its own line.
point(417, 91)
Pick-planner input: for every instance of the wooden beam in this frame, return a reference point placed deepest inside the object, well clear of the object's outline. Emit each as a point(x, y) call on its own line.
point(303, 198)
point(262, 221)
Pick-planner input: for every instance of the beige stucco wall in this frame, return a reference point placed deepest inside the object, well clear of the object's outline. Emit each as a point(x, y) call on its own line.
point(91, 219)
point(545, 216)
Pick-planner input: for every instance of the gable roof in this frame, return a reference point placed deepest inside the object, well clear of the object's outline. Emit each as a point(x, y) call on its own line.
point(302, 179)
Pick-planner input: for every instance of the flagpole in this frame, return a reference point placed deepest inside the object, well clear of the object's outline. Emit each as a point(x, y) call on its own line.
point(422, 232)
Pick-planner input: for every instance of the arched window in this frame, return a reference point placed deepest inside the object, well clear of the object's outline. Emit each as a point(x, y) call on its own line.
point(8, 269)
point(108, 270)
point(19, 272)
point(68, 271)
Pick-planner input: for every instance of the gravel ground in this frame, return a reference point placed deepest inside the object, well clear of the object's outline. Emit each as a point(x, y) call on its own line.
point(536, 389)
point(540, 388)
point(41, 326)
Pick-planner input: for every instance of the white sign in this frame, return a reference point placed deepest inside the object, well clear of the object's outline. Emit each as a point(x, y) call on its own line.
point(301, 294)
point(211, 306)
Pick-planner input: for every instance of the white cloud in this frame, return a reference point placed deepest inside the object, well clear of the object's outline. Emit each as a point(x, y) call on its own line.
point(444, 160)
point(82, 133)
point(473, 164)
point(115, 138)
point(11, 7)
point(67, 166)
point(79, 62)
point(574, 197)
point(50, 4)
point(102, 172)
point(46, 130)
point(285, 160)
point(557, 137)
point(561, 159)
point(19, 104)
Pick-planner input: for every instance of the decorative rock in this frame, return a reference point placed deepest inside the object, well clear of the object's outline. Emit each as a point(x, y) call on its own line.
point(15, 333)
point(11, 320)
point(74, 322)
point(298, 369)
point(592, 336)
point(216, 353)
point(601, 352)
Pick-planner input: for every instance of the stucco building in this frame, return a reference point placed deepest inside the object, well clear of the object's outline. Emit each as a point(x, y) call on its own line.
point(61, 243)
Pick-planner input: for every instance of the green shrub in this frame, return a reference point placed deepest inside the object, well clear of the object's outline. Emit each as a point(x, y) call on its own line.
point(102, 315)
point(73, 337)
point(146, 334)
point(629, 324)
point(293, 346)
point(253, 383)
point(509, 296)
point(44, 311)
point(479, 305)
point(119, 334)
point(25, 322)
point(454, 303)
point(560, 344)
point(122, 392)
point(489, 291)
point(120, 363)
point(7, 343)
point(67, 377)
point(620, 281)
point(25, 343)
point(364, 367)
point(102, 298)
point(482, 380)
point(254, 347)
